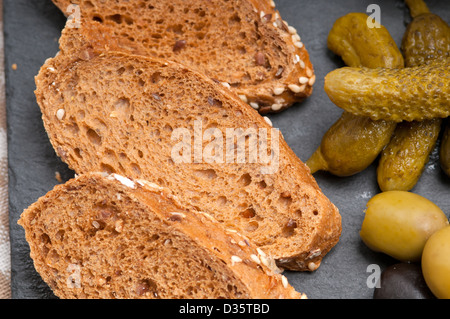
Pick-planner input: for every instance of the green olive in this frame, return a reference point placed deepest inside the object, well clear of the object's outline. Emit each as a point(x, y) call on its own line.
point(436, 263)
point(398, 223)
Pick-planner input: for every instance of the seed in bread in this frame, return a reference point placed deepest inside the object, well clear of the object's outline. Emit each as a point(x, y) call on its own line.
point(105, 236)
point(283, 211)
point(244, 43)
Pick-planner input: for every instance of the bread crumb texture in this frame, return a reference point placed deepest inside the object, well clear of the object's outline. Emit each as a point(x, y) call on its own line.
point(244, 44)
point(120, 114)
point(95, 237)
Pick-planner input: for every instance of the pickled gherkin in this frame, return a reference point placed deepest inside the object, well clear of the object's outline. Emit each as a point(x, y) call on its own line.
point(353, 142)
point(350, 145)
point(358, 45)
point(426, 39)
point(403, 161)
point(415, 93)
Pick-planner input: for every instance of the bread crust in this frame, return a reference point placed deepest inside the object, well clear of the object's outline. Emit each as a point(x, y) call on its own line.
point(54, 246)
point(283, 74)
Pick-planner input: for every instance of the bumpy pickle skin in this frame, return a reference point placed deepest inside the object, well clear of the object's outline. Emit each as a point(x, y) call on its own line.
point(444, 152)
point(409, 94)
point(350, 145)
point(403, 160)
point(353, 142)
point(427, 38)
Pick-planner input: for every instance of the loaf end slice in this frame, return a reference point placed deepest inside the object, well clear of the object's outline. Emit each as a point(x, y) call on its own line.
point(153, 119)
point(106, 236)
point(243, 44)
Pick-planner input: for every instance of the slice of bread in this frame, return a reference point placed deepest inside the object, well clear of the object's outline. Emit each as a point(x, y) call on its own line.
point(105, 236)
point(152, 119)
point(242, 43)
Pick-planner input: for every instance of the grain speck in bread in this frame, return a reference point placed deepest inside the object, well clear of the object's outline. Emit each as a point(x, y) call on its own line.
point(120, 111)
point(105, 237)
point(243, 43)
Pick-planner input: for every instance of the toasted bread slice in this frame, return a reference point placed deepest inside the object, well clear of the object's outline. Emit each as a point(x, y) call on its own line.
point(242, 43)
point(149, 118)
point(106, 236)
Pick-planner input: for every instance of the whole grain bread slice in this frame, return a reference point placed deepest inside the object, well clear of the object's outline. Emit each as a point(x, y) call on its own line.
point(149, 118)
point(244, 44)
point(106, 236)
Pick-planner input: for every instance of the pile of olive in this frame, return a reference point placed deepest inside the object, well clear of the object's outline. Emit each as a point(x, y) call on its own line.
point(411, 229)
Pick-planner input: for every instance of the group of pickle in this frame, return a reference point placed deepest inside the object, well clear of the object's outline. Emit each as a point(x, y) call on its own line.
point(395, 106)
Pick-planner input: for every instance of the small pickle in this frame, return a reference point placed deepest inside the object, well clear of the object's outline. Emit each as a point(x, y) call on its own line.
point(409, 94)
point(436, 263)
point(403, 160)
point(358, 45)
point(427, 38)
point(350, 145)
point(399, 223)
point(353, 142)
point(444, 152)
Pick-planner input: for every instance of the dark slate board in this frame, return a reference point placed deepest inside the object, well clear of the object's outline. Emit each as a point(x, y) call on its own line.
point(32, 28)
